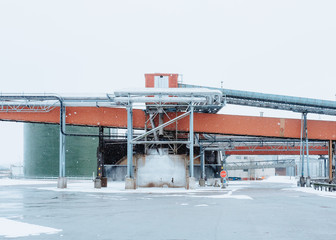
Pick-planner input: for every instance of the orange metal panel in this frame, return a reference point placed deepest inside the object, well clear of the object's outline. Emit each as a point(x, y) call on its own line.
point(149, 80)
point(206, 123)
point(88, 116)
point(173, 79)
point(257, 126)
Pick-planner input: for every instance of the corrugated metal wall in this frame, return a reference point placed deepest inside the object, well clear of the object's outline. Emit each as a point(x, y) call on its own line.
point(41, 151)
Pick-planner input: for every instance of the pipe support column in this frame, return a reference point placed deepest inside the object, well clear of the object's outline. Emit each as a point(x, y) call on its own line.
point(191, 140)
point(129, 142)
point(330, 160)
point(62, 182)
point(202, 163)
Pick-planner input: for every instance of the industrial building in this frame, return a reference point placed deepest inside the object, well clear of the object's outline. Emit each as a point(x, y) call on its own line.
point(168, 134)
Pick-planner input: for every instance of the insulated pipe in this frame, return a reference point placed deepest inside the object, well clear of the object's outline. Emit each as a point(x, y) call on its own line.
point(168, 91)
point(269, 97)
point(165, 99)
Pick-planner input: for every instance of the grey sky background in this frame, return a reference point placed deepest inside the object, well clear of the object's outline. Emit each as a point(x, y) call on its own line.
point(281, 47)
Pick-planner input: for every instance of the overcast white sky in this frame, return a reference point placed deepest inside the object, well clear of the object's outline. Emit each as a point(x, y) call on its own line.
point(280, 47)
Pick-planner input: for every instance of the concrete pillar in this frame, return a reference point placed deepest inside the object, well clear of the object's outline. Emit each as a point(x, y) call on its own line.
point(130, 183)
point(97, 183)
point(202, 182)
point(62, 182)
point(191, 183)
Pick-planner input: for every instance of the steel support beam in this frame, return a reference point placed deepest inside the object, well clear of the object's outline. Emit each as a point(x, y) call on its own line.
point(160, 142)
point(100, 156)
point(330, 160)
point(129, 141)
point(301, 149)
point(191, 140)
point(62, 180)
point(202, 162)
point(161, 126)
point(62, 149)
point(306, 146)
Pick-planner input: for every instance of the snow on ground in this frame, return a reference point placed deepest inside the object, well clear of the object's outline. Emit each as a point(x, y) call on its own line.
point(312, 191)
point(11, 182)
point(13, 229)
point(281, 179)
point(87, 186)
point(227, 195)
point(240, 182)
point(119, 187)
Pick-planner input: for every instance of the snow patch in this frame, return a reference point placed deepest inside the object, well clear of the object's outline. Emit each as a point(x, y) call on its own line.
point(281, 179)
point(202, 205)
point(312, 191)
point(13, 229)
point(12, 182)
point(227, 196)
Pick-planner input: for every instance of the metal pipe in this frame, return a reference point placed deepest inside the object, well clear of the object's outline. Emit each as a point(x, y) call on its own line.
point(167, 91)
point(167, 99)
point(270, 97)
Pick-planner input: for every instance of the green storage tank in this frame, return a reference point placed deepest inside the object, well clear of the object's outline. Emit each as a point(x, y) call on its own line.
point(41, 151)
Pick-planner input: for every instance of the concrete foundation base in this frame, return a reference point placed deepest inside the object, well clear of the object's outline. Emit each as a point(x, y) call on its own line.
point(130, 183)
point(104, 182)
point(308, 182)
point(191, 183)
point(97, 183)
point(202, 182)
point(214, 182)
point(62, 182)
point(302, 182)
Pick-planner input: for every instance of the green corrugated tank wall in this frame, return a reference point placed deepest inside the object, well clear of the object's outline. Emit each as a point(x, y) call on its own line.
point(41, 151)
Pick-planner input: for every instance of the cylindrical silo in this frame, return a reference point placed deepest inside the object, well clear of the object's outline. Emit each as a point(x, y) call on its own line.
point(41, 151)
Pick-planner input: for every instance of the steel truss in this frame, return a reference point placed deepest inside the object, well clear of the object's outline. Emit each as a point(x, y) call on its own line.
point(159, 102)
point(255, 144)
point(260, 164)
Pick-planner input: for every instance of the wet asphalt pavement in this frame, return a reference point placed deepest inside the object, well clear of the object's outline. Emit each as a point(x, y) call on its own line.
point(271, 213)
